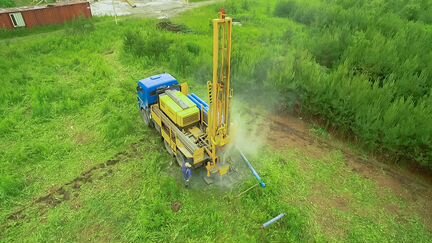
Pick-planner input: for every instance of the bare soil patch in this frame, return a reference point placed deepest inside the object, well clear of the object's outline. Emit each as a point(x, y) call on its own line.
point(145, 8)
point(176, 206)
point(290, 132)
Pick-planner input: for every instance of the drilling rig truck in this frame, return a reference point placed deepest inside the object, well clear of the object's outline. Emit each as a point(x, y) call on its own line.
point(192, 130)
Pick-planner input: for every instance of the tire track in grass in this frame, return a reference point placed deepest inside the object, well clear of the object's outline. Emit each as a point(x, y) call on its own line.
point(65, 192)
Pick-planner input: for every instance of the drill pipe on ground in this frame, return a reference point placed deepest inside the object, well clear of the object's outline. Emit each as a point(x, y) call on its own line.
point(273, 220)
point(261, 182)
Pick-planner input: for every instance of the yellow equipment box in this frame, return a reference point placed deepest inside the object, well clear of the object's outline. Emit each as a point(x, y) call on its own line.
point(179, 108)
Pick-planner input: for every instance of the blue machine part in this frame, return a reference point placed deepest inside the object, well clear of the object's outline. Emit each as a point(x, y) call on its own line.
point(261, 182)
point(148, 88)
point(202, 105)
point(273, 220)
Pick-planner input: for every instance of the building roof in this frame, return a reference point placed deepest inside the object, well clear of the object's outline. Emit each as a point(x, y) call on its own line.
point(29, 8)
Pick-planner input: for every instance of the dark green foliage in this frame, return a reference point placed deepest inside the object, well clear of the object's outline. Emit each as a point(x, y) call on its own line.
point(328, 46)
point(193, 48)
point(378, 83)
point(80, 26)
point(181, 59)
point(150, 44)
point(7, 3)
point(236, 6)
point(134, 43)
point(285, 8)
point(9, 186)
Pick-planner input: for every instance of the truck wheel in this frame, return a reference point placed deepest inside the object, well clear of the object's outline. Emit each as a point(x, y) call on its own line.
point(145, 114)
point(158, 128)
point(168, 148)
point(180, 158)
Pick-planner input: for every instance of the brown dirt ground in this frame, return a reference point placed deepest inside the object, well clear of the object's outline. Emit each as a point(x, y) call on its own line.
point(290, 132)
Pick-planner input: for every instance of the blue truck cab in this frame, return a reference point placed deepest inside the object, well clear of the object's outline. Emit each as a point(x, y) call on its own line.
point(149, 89)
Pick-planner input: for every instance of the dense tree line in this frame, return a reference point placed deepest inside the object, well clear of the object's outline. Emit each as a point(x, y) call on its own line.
point(363, 66)
point(379, 79)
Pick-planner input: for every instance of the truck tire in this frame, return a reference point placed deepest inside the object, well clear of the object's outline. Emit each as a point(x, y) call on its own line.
point(180, 158)
point(168, 148)
point(145, 114)
point(158, 129)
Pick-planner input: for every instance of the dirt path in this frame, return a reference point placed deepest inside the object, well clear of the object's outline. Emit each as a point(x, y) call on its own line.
point(145, 8)
point(288, 132)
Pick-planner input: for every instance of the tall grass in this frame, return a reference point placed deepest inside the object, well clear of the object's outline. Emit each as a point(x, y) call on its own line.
point(55, 85)
point(7, 3)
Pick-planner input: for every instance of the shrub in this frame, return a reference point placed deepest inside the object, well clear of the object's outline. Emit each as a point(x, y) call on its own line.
point(376, 83)
point(7, 3)
point(285, 8)
point(181, 60)
point(150, 44)
point(80, 26)
point(9, 187)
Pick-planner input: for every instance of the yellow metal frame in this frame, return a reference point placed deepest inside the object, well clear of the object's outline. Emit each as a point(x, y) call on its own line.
point(180, 116)
point(220, 95)
point(184, 87)
point(170, 136)
point(156, 119)
point(220, 92)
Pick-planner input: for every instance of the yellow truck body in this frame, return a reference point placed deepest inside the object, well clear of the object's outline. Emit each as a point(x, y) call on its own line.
point(179, 108)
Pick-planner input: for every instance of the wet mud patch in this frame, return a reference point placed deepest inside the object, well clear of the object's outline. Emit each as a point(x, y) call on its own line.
point(176, 206)
point(167, 25)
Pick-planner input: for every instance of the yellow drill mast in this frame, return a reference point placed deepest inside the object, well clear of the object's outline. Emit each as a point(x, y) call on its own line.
point(220, 91)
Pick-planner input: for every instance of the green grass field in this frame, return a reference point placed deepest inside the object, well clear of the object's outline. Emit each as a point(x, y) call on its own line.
point(77, 163)
point(19, 3)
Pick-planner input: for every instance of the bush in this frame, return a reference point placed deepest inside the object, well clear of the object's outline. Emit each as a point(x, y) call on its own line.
point(7, 3)
point(376, 81)
point(181, 60)
point(9, 187)
point(285, 8)
point(80, 26)
point(151, 44)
